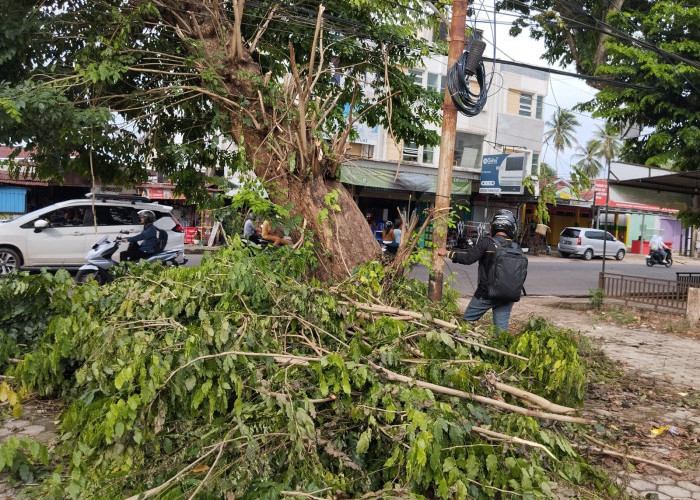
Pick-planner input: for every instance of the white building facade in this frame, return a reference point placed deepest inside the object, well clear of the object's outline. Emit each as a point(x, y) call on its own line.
point(383, 174)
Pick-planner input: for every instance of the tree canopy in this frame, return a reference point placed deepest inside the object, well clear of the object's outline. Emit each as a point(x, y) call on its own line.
point(650, 53)
point(119, 87)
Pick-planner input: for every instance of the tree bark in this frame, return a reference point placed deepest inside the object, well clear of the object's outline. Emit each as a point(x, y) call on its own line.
point(282, 147)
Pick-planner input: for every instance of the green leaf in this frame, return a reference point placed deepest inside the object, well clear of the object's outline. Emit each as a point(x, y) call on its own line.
point(363, 442)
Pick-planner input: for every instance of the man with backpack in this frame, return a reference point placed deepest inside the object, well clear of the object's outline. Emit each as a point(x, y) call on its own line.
point(502, 271)
point(148, 238)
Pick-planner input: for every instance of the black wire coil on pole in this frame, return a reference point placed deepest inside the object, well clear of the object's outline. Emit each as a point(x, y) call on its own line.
point(469, 64)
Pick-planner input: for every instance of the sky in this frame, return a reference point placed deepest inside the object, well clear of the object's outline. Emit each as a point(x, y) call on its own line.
point(564, 91)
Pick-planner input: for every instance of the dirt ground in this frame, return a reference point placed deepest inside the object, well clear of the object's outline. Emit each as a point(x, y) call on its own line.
point(658, 358)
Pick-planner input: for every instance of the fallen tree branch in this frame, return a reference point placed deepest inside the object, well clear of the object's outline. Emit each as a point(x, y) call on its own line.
point(633, 458)
point(393, 376)
point(511, 439)
point(543, 403)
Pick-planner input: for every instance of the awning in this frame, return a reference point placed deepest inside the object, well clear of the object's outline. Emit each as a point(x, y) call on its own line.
point(677, 182)
point(632, 199)
point(410, 178)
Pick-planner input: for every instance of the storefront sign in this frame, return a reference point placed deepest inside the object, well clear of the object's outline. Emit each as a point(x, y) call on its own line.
point(490, 165)
point(637, 199)
point(404, 181)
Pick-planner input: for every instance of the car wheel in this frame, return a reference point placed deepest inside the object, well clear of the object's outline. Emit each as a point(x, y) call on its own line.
point(565, 254)
point(588, 254)
point(620, 254)
point(9, 260)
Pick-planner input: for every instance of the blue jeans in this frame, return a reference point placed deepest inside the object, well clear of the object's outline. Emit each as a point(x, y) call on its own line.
point(478, 307)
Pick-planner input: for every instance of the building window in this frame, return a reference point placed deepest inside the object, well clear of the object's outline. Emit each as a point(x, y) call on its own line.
point(428, 154)
point(468, 150)
point(535, 167)
point(525, 105)
point(410, 152)
point(436, 82)
point(538, 107)
point(417, 76)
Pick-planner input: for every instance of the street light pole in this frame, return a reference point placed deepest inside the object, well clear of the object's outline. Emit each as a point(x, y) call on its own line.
point(607, 206)
point(447, 149)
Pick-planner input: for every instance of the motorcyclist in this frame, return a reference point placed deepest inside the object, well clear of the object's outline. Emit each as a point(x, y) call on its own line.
point(250, 230)
point(148, 238)
point(658, 247)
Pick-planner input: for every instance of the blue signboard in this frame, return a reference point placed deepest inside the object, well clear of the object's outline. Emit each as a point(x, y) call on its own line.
point(490, 165)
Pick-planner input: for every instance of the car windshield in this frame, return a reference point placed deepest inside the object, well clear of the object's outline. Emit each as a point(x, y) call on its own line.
point(570, 233)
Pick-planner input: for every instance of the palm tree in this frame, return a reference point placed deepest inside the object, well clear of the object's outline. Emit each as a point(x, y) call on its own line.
point(589, 158)
point(609, 138)
point(561, 133)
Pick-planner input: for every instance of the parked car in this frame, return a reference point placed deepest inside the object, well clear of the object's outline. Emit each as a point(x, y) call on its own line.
point(588, 243)
point(59, 236)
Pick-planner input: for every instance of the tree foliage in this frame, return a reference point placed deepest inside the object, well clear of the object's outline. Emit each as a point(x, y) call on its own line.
point(647, 53)
point(115, 87)
point(241, 378)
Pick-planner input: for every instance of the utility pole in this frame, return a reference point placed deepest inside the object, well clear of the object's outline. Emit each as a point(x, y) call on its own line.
point(456, 40)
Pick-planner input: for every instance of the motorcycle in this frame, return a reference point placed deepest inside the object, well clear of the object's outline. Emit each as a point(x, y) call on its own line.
point(655, 258)
point(99, 261)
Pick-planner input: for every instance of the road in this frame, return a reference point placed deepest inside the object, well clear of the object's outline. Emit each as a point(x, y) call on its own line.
point(554, 275)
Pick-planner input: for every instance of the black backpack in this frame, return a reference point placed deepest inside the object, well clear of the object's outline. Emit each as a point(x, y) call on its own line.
point(507, 273)
point(162, 240)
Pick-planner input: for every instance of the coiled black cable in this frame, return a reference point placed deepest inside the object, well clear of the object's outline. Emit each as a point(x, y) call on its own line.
point(466, 101)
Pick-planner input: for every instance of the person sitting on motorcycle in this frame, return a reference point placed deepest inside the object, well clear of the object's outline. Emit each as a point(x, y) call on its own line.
point(658, 247)
point(148, 238)
point(269, 235)
point(388, 236)
point(251, 231)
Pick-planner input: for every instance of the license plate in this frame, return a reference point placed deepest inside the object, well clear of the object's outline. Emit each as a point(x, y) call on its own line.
point(566, 242)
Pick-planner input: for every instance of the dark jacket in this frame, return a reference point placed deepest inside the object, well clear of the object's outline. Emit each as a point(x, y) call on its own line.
point(149, 236)
point(483, 252)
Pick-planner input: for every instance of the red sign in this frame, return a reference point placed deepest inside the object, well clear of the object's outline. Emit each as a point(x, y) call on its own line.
point(190, 234)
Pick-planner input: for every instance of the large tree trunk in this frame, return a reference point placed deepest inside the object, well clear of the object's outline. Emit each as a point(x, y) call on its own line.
point(272, 135)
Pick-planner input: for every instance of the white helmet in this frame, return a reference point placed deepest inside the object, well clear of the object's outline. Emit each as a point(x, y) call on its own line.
point(148, 215)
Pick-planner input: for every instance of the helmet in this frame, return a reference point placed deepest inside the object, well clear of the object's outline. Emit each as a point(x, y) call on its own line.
point(388, 224)
point(148, 215)
point(503, 221)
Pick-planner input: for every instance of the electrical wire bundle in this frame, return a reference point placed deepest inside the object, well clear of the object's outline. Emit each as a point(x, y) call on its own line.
point(468, 65)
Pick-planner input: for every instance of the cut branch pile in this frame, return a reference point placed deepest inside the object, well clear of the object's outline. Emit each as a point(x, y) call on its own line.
point(239, 379)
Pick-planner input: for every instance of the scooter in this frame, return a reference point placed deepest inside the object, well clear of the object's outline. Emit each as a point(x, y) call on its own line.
point(99, 261)
point(655, 258)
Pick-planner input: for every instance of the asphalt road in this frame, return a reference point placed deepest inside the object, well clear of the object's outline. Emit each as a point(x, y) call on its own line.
point(572, 277)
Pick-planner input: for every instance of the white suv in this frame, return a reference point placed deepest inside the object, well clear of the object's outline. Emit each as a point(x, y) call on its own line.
point(59, 236)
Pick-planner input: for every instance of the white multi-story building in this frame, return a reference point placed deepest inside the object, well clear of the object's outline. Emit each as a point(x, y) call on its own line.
point(384, 174)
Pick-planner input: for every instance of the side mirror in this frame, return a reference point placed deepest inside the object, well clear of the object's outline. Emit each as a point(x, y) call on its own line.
point(40, 224)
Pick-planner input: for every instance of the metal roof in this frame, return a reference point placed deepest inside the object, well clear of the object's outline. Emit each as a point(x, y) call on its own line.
point(677, 182)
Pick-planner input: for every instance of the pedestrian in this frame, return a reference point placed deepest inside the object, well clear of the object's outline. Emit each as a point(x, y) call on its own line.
point(148, 238)
point(502, 271)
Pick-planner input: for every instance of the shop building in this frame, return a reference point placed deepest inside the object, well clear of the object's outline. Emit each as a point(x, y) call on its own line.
point(383, 174)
